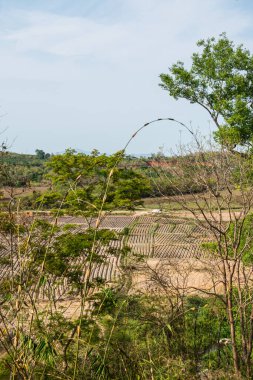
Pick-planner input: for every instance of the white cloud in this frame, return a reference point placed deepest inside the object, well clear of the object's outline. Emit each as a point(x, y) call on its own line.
point(155, 24)
point(100, 73)
point(64, 36)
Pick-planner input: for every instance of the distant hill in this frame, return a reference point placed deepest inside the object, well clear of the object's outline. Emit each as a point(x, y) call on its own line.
point(19, 169)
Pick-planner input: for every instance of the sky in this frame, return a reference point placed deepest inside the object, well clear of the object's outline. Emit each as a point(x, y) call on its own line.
point(84, 74)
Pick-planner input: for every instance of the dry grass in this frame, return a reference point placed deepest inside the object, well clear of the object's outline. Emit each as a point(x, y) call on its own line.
point(174, 203)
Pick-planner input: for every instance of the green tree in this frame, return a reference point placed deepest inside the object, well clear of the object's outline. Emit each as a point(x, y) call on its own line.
point(220, 80)
point(92, 180)
point(41, 154)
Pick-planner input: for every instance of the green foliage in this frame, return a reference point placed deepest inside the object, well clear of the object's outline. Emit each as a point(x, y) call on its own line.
point(48, 200)
point(92, 180)
point(244, 232)
point(238, 241)
point(221, 81)
point(41, 154)
point(61, 257)
point(19, 170)
point(143, 338)
point(122, 336)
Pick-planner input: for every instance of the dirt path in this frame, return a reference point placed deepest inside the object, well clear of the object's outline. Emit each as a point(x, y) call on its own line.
point(225, 216)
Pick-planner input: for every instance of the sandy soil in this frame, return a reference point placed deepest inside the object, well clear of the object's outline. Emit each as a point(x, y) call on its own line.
point(225, 216)
point(182, 276)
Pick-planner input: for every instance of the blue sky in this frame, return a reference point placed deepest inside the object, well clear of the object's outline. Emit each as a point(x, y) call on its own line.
point(84, 74)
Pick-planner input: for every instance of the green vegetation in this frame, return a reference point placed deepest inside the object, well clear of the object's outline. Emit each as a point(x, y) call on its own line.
point(20, 170)
point(105, 299)
point(91, 182)
point(221, 81)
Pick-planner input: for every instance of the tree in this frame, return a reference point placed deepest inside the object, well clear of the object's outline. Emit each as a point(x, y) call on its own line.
point(220, 80)
point(223, 211)
point(96, 180)
point(41, 154)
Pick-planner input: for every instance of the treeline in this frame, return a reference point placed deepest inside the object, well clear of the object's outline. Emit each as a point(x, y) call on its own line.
point(22, 170)
point(132, 179)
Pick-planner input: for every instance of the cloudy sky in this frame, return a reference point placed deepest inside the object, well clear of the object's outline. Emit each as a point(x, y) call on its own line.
point(85, 73)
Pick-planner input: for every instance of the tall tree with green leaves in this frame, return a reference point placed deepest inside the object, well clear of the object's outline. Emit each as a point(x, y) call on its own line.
point(94, 181)
point(220, 80)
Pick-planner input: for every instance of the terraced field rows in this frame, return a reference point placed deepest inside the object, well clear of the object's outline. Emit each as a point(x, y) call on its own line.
point(165, 238)
point(149, 236)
